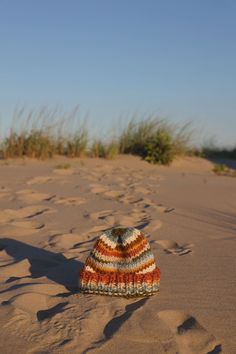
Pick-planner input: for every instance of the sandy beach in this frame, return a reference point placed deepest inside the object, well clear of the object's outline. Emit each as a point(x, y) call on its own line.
point(50, 217)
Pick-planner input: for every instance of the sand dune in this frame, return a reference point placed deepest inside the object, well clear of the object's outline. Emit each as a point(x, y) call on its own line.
point(49, 222)
point(30, 196)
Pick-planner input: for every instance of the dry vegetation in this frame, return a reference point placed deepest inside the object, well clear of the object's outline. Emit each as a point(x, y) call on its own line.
point(46, 132)
point(223, 170)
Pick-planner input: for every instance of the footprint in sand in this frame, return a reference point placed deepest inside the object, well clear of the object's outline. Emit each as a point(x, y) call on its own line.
point(5, 258)
point(86, 236)
point(52, 289)
point(70, 245)
point(138, 189)
point(153, 225)
point(64, 171)
point(4, 192)
point(41, 180)
point(120, 181)
point(162, 209)
point(97, 188)
point(14, 270)
point(191, 337)
point(130, 199)
point(139, 219)
point(64, 241)
point(31, 196)
point(31, 302)
point(157, 206)
point(106, 216)
point(136, 218)
point(71, 201)
point(143, 202)
point(4, 195)
point(4, 189)
point(20, 228)
point(46, 179)
point(8, 215)
point(90, 177)
point(172, 247)
point(113, 194)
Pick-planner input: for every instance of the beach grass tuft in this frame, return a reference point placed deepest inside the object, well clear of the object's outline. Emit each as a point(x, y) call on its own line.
point(223, 170)
point(156, 140)
point(43, 133)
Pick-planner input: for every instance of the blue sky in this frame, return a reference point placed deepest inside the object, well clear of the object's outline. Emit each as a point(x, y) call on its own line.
point(175, 58)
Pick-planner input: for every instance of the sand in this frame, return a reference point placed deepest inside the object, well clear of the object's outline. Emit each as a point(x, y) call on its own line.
point(49, 221)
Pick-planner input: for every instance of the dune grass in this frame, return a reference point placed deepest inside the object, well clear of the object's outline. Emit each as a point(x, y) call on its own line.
point(46, 132)
point(104, 150)
point(223, 170)
point(155, 140)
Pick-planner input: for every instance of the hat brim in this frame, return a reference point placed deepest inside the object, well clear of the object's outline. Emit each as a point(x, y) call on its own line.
point(120, 284)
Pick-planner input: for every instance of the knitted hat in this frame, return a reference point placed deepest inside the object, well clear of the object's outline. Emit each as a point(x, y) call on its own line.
point(121, 264)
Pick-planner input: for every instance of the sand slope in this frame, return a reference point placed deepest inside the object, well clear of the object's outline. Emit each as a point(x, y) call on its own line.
point(49, 221)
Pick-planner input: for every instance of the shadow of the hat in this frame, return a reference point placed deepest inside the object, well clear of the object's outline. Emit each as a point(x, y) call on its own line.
point(54, 266)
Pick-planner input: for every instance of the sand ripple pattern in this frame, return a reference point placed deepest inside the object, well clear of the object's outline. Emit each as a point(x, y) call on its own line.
point(47, 230)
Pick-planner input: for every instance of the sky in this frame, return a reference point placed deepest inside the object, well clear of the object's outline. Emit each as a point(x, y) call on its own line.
point(118, 58)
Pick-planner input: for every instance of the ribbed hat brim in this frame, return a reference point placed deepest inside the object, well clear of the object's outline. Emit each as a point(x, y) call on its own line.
point(120, 284)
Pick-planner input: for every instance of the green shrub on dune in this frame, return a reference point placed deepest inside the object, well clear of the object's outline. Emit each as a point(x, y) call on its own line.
point(159, 149)
point(155, 140)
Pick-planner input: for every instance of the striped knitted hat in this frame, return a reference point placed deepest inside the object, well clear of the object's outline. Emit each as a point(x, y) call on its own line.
point(120, 264)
